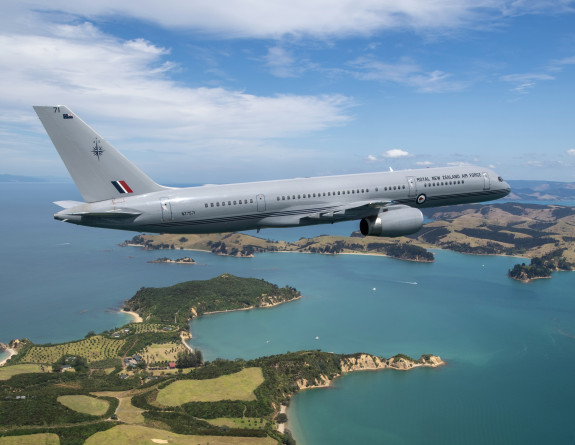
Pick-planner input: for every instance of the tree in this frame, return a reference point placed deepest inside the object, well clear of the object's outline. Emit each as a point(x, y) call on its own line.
point(189, 359)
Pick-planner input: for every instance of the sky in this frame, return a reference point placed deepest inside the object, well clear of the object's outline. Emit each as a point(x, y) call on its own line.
point(230, 91)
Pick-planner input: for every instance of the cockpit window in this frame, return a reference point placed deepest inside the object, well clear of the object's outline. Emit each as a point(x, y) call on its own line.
point(500, 179)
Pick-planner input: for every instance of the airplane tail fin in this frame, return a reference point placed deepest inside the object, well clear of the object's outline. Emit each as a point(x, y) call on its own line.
point(99, 170)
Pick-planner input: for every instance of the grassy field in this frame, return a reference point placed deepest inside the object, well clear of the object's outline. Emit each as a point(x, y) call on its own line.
point(124, 434)
point(32, 439)
point(246, 422)
point(162, 352)
point(85, 404)
point(8, 371)
point(238, 386)
point(140, 328)
point(93, 349)
point(126, 412)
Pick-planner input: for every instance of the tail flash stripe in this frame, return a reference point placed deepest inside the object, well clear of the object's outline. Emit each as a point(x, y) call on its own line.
point(126, 187)
point(122, 187)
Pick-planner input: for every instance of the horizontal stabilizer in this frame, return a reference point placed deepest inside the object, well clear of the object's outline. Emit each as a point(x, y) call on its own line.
point(69, 204)
point(119, 213)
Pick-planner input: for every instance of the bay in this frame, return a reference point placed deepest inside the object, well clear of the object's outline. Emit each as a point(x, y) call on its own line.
point(509, 346)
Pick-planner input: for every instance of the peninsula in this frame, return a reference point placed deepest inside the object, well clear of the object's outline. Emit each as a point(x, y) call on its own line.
point(242, 245)
point(526, 230)
point(139, 382)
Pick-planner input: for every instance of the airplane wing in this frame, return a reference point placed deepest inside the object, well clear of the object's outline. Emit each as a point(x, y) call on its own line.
point(353, 210)
point(343, 212)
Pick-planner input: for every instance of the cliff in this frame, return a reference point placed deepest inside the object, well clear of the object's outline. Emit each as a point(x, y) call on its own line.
point(369, 362)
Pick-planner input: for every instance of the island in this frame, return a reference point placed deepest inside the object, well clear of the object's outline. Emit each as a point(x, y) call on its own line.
point(142, 381)
point(184, 260)
point(512, 229)
point(540, 267)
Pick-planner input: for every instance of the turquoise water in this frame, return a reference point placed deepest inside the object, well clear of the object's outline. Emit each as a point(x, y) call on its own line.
point(510, 347)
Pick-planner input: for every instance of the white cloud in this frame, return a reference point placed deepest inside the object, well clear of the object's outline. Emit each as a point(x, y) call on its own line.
point(424, 163)
point(395, 153)
point(458, 164)
point(371, 158)
point(127, 86)
point(282, 63)
point(571, 152)
point(525, 82)
point(318, 18)
point(404, 72)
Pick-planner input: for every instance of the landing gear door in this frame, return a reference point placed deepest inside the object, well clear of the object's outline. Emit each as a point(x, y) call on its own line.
point(486, 182)
point(166, 209)
point(411, 184)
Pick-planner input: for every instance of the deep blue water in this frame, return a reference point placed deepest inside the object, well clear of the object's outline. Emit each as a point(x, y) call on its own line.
point(510, 347)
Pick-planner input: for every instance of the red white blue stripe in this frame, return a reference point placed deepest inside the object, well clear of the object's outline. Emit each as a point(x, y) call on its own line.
point(122, 187)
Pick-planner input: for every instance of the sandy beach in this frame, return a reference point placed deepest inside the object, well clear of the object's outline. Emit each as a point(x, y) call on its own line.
point(185, 336)
point(134, 315)
point(10, 352)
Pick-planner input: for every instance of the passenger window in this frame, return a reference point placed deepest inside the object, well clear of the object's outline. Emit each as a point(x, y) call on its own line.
point(217, 204)
point(211, 204)
point(251, 201)
point(229, 203)
point(206, 205)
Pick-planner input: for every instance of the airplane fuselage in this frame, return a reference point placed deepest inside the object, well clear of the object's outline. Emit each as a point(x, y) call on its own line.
point(291, 203)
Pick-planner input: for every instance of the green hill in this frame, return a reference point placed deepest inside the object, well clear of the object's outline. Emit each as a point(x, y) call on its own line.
point(179, 303)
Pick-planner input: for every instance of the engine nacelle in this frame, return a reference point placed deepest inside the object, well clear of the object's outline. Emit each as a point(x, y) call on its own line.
point(392, 221)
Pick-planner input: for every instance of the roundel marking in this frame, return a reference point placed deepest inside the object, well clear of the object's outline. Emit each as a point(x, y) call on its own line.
point(421, 198)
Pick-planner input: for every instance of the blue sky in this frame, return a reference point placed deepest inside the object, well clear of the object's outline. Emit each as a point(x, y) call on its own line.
point(226, 91)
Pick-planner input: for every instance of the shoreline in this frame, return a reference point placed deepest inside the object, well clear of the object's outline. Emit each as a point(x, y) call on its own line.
point(424, 245)
point(135, 316)
point(11, 353)
point(186, 336)
point(249, 308)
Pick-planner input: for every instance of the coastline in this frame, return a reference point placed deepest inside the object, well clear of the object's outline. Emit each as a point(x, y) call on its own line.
point(135, 316)
point(184, 336)
point(252, 307)
point(11, 352)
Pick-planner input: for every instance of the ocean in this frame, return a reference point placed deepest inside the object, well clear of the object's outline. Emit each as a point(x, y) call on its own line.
point(509, 346)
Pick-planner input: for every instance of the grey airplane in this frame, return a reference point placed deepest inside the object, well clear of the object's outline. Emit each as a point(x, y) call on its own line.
point(118, 195)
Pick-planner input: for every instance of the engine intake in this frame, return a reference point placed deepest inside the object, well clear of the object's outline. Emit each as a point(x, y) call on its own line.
point(392, 221)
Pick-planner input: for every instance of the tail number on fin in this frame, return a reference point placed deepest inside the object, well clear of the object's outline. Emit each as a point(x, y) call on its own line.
point(122, 187)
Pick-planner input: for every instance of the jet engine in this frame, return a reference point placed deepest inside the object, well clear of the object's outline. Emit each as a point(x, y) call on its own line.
point(392, 221)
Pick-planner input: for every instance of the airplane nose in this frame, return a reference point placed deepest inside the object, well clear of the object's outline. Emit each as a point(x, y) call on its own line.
point(506, 188)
